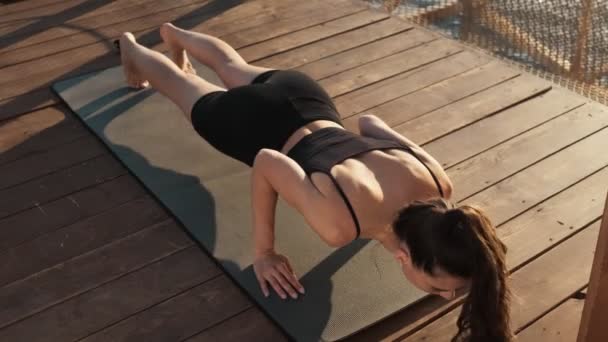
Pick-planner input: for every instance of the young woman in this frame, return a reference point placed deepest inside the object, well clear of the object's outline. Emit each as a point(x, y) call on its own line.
point(373, 185)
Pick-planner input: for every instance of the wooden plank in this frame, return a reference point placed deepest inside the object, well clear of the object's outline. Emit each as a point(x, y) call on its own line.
point(461, 113)
point(482, 135)
point(182, 316)
point(76, 276)
point(443, 93)
point(64, 65)
point(100, 28)
point(509, 157)
point(37, 132)
point(314, 16)
point(335, 44)
point(553, 220)
point(380, 69)
point(63, 9)
point(405, 83)
point(37, 99)
point(559, 325)
point(251, 322)
point(549, 279)
point(593, 322)
point(309, 35)
point(145, 21)
point(375, 50)
point(21, 6)
point(29, 224)
point(509, 197)
point(56, 185)
point(60, 245)
point(137, 291)
point(55, 159)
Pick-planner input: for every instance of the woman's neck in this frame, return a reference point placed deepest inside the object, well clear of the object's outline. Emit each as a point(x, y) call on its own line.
point(387, 238)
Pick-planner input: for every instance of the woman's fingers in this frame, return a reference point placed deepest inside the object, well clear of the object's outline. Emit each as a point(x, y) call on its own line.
point(276, 286)
point(281, 279)
point(264, 287)
point(289, 274)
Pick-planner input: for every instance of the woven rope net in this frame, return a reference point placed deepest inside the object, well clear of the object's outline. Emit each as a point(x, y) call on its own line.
point(565, 41)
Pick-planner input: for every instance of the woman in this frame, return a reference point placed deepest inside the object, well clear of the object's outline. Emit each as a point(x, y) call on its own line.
point(376, 185)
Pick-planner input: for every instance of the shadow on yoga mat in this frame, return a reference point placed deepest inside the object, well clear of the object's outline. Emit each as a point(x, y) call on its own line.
point(346, 289)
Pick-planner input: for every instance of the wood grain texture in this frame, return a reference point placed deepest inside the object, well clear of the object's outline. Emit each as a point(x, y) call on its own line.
point(110, 303)
point(559, 325)
point(68, 242)
point(100, 266)
point(45, 218)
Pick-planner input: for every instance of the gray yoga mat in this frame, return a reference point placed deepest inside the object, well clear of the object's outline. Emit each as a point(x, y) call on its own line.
point(347, 289)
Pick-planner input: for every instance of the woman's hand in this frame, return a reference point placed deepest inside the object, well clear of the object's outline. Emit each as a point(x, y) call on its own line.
point(274, 269)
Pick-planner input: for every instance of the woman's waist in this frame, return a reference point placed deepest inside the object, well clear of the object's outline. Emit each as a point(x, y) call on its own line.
point(305, 130)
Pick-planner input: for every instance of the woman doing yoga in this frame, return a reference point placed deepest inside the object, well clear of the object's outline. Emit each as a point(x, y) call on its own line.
point(374, 185)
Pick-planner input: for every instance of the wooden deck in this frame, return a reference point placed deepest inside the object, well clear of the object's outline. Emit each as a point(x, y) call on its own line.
point(87, 254)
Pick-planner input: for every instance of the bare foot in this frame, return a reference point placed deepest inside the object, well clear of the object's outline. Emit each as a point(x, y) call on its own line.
point(127, 44)
point(178, 54)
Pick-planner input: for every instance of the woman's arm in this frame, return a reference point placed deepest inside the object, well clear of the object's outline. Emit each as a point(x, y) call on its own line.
point(372, 126)
point(275, 174)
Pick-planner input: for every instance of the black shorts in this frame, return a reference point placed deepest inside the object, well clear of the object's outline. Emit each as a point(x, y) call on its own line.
point(242, 120)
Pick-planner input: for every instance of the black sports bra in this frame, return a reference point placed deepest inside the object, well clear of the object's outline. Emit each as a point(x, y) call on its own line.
point(326, 147)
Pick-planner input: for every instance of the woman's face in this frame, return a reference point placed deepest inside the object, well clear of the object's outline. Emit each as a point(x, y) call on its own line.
point(441, 283)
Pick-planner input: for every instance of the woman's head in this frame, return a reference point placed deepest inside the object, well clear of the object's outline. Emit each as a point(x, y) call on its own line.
point(445, 250)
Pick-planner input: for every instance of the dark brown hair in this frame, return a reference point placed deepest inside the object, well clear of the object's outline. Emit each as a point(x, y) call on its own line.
point(462, 242)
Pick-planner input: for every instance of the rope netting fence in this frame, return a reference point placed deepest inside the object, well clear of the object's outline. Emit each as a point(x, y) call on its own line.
point(565, 41)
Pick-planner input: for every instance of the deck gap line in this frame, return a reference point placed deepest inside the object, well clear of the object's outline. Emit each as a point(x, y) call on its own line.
point(313, 42)
point(412, 47)
point(460, 98)
point(83, 31)
point(512, 137)
point(34, 205)
point(530, 97)
point(404, 71)
point(532, 164)
point(221, 273)
point(104, 153)
point(300, 29)
point(250, 307)
point(37, 236)
point(405, 29)
point(98, 285)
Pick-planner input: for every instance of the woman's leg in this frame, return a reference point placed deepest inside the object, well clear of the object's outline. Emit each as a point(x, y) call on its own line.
point(142, 65)
point(211, 51)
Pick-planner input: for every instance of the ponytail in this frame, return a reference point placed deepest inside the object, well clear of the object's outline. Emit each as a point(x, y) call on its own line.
point(462, 241)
